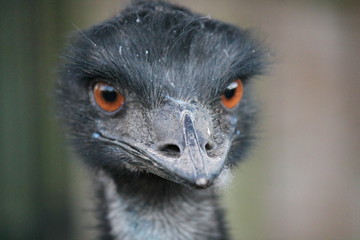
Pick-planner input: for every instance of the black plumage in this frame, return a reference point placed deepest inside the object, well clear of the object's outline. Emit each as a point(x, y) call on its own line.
point(157, 156)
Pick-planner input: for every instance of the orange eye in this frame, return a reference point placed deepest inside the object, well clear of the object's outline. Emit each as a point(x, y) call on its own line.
point(233, 94)
point(107, 97)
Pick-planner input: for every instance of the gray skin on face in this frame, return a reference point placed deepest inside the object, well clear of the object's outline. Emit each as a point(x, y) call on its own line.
point(176, 141)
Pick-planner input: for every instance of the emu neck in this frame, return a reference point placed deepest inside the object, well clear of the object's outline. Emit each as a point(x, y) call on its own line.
point(148, 207)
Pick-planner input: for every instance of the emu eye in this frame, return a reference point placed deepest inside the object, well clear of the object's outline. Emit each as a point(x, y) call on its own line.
point(107, 97)
point(233, 94)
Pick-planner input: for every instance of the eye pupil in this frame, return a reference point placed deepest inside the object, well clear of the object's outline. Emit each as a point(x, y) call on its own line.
point(229, 93)
point(109, 95)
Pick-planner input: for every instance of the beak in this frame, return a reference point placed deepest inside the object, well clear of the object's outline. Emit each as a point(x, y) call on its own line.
point(185, 150)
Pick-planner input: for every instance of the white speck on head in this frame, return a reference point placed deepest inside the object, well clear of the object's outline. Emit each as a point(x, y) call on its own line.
point(146, 52)
point(138, 20)
point(208, 131)
point(120, 50)
point(226, 53)
point(172, 84)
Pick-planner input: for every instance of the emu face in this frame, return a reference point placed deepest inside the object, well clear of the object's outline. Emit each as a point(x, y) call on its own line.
point(159, 90)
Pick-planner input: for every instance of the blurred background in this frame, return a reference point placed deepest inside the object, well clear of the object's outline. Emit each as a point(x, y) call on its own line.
point(302, 181)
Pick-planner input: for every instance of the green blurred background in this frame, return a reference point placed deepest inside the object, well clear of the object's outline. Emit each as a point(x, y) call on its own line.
point(302, 181)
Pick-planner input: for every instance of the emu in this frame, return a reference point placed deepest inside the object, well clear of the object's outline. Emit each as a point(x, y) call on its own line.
point(157, 102)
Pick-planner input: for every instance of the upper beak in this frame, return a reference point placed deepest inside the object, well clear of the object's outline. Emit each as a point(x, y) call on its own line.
point(185, 149)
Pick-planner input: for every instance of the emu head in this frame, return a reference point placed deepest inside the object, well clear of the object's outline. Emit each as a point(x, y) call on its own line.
point(159, 90)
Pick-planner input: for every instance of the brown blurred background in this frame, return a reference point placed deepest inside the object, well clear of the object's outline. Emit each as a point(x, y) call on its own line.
point(302, 181)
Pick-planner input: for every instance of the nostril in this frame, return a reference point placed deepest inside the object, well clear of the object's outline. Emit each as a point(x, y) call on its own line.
point(170, 150)
point(209, 146)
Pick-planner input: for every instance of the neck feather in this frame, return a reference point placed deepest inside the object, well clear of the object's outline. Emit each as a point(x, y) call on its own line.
point(149, 207)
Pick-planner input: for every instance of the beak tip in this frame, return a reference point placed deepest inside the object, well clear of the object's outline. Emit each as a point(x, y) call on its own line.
point(202, 182)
